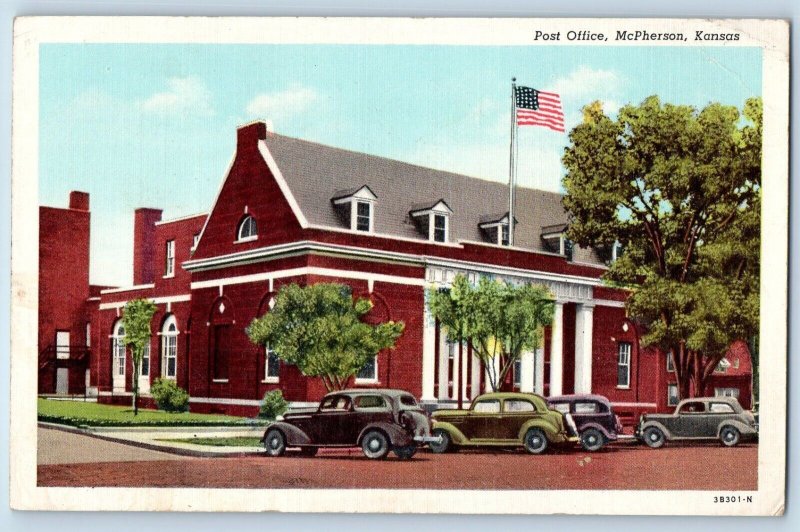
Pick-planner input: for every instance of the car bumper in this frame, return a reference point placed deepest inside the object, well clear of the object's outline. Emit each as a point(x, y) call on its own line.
point(563, 437)
point(428, 439)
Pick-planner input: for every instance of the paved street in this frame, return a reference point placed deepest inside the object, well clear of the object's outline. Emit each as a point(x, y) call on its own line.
point(704, 467)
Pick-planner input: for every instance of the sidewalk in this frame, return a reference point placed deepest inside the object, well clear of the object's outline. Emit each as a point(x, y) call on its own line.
point(150, 438)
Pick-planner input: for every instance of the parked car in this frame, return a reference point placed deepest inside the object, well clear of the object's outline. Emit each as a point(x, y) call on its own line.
point(706, 418)
point(502, 419)
point(593, 416)
point(375, 420)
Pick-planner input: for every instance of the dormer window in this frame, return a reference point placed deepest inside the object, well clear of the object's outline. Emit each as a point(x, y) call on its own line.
point(248, 229)
point(356, 208)
point(495, 229)
point(555, 240)
point(433, 220)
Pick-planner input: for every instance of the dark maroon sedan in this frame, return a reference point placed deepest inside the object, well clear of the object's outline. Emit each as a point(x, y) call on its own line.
point(378, 421)
point(594, 417)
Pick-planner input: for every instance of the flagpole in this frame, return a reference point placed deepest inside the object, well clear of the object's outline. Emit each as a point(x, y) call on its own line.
point(511, 165)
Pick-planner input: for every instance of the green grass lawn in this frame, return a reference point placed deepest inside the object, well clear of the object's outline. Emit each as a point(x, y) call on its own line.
point(238, 441)
point(78, 413)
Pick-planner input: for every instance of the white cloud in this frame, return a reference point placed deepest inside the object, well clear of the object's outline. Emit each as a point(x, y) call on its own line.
point(183, 95)
point(586, 82)
point(281, 105)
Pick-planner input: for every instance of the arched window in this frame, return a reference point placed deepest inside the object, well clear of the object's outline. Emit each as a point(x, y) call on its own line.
point(169, 348)
point(248, 230)
point(118, 349)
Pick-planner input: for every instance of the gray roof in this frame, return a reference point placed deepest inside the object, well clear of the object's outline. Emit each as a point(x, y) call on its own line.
point(317, 173)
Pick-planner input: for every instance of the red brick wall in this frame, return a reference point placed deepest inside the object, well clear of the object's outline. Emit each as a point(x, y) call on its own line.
point(144, 244)
point(63, 284)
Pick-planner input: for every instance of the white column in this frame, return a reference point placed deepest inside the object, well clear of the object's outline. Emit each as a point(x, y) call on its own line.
point(538, 357)
point(584, 316)
point(557, 350)
point(496, 364)
point(476, 376)
point(456, 372)
point(444, 365)
point(527, 368)
point(428, 353)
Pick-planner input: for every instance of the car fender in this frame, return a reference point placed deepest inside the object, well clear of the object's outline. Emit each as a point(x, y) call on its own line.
point(456, 436)
point(659, 426)
point(597, 426)
point(398, 437)
point(743, 428)
point(549, 430)
point(294, 436)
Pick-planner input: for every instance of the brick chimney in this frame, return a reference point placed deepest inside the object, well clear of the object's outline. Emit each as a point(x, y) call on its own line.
point(247, 137)
point(144, 244)
point(79, 201)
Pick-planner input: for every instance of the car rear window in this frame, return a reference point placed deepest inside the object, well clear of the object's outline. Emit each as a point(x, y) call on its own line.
point(370, 401)
point(407, 400)
point(586, 408)
point(487, 407)
point(518, 405)
point(720, 408)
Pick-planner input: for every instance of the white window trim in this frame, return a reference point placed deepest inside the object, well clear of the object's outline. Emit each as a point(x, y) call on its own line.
point(628, 366)
point(117, 341)
point(219, 381)
point(270, 379)
point(169, 261)
point(354, 215)
point(432, 227)
point(149, 361)
point(677, 399)
point(165, 336)
point(670, 362)
point(250, 238)
point(373, 380)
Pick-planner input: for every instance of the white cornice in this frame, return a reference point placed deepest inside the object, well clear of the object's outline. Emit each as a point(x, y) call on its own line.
point(127, 288)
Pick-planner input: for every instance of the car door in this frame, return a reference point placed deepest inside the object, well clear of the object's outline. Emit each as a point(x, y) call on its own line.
point(483, 419)
point(368, 409)
point(330, 421)
point(690, 420)
point(516, 412)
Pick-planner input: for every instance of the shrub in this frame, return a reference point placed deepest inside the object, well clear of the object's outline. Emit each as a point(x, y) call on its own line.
point(273, 405)
point(169, 396)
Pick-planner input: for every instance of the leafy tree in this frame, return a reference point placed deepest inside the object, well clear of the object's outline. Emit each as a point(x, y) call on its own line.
point(499, 319)
point(136, 319)
point(320, 329)
point(680, 190)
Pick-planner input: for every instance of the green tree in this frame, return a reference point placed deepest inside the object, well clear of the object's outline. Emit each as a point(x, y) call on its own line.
point(499, 319)
point(320, 329)
point(136, 318)
point(680, 190)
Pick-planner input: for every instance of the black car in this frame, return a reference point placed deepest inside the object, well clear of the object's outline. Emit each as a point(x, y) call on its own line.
point(594, 418)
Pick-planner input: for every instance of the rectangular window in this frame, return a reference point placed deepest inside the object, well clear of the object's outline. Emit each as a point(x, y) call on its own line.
point(672, 395)
point(273, 366)
point(119, 355)
point(89, 335)
point(504, 235)
point(517, 372)
point(62, 344)
point(670, 362)
point(145, 370)
point(195, 240)
point(439, 228)
point(624, 365)
point(726, 392)
point(169, 269)
point(170, 355)
point(363, 214)
point(370, 371)
point(568, 249)
point(222, 348)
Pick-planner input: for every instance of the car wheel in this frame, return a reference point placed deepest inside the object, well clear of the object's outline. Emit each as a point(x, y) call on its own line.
point(405, 452)
point(375, 445)
point(653, 437)
point(444, 443)
point(535, 441)
point(592, 440)
point(729, 436)
point(275, 443)
point(308, 451)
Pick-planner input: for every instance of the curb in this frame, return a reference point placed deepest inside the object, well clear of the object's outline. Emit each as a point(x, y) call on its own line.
point(150, 446)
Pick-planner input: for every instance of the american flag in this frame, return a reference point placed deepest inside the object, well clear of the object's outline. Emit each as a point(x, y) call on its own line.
point(539, 108)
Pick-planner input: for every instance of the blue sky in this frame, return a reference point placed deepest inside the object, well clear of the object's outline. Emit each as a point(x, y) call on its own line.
point(154, 125)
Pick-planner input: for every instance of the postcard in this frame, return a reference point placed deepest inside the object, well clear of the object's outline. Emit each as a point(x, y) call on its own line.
point(507, 266)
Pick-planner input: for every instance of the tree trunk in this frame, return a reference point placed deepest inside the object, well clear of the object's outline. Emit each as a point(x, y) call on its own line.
point(135, 387)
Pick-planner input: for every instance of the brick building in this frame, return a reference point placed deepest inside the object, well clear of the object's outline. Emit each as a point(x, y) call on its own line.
point(292, 211)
